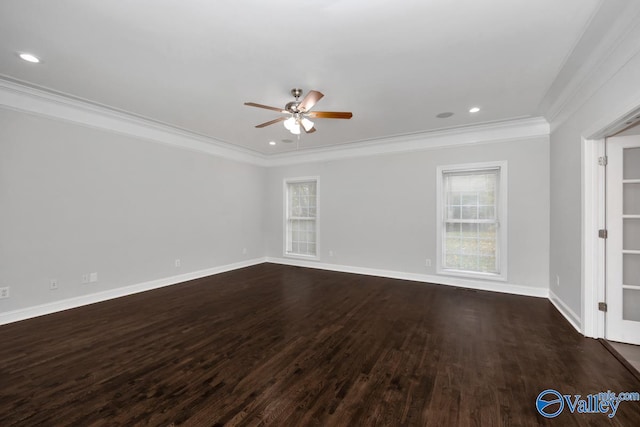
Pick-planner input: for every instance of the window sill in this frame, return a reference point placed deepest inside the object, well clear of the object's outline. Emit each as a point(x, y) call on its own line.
point(301, 256)
point(473, 275)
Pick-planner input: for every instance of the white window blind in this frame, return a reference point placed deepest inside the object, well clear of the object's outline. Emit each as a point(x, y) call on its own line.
point(301, 218)
point(471, 234)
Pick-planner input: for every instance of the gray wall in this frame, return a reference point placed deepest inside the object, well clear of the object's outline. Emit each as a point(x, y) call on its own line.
point(77, 200)
point(380, 211)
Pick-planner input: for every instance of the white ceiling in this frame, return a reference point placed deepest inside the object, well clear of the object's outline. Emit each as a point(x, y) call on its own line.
point(395, 65)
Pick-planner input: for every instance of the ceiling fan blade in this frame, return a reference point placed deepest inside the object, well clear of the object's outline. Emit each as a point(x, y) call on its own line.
point(310, 100)
point(313, 129)
point(330, 114)
point(279, 119)
point(253, 104)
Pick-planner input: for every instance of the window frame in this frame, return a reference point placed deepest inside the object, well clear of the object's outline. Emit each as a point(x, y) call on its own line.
point(285, 217)
point(501, 219)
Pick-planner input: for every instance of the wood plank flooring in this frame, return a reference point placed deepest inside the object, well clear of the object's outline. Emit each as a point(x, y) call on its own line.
point(273, 345)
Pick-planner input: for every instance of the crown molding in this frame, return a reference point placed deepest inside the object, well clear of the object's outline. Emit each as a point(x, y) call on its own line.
point(28, 99)
point(510, 130)
point(32, 100)
point(616, 47)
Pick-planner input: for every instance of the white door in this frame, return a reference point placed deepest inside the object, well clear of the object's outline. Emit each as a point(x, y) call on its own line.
point(623, 242)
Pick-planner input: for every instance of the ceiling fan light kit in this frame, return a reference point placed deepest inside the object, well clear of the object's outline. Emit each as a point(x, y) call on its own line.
point(306, 124)
point(299, 112)
point(292, 124)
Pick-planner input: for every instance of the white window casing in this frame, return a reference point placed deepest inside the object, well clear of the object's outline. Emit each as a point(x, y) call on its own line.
point(301, 210)
point(472, 220)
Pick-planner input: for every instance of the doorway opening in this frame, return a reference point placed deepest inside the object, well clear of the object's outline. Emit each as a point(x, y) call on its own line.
point(593, 320)
point(611, 237)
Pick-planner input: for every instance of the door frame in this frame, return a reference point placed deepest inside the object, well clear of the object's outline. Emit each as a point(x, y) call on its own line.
point(593, 247)
point(593, 269)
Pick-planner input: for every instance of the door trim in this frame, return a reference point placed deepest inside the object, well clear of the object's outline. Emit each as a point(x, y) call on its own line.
point(593, 208)
point(593, 248)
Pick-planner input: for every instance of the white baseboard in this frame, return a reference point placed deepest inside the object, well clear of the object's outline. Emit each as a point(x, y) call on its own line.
point(427, 278)
point(53, 307)
point(566, 311)
point(66, 304)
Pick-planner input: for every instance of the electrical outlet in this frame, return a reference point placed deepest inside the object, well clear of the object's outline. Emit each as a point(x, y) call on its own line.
point(93, 277)
point(427, 262)
point(4, 292)
point(178, 263)
point(85, 279)
point(53, 284)
point(331, 253)
point(244, 251)
point(557, 281)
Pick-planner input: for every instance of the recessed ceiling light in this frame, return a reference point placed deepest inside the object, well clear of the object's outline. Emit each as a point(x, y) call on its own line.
point(272, 143)
point(29, 57)
point(474, 110)
point(444, 115)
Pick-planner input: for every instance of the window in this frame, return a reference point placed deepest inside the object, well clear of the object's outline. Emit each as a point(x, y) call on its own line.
point(472, 220)
point(301, 217)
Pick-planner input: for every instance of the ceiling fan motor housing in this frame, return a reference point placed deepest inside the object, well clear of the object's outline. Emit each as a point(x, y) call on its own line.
point(292, 107)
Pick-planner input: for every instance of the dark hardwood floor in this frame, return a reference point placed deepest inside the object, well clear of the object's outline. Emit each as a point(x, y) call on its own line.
point(286, 346)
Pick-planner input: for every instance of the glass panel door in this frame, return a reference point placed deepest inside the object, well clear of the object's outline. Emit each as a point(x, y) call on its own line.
point(623, 245)
point(630, 233)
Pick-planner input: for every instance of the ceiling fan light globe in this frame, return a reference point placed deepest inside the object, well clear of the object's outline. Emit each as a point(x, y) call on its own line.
point(289, 123)
point(295, 129)
point(307, 124)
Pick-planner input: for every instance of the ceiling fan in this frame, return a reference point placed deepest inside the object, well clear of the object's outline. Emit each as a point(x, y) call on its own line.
point(298, 114)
